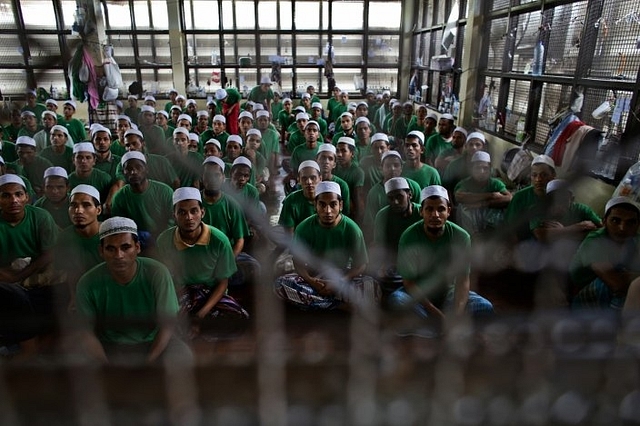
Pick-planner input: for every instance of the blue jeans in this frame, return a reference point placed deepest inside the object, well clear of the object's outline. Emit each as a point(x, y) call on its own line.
point(476, 305)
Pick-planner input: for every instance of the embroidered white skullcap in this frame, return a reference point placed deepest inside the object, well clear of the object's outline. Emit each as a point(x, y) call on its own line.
point(262, 113)
point(390, 154)
point(182, 130)
point(312, 122)
point(11, 178)
point(133, 155)
point(433, 191)
point(461, 130)
point(202, 113)
point(544, 159)
point(379, 137)
point(60, 128)
point(326, 147)
point(418, 134)
point(220, 117)
point(245, 114)
point(308, 163)
point(362, 103)
point(147, 108)
point(26, 140)
point(615, 201)
point(352, 105)
point(185, 117)
point(242, 161)
point(176, 107)
point(316, 105)
point(363, 120)
point(86, 189)
point(180, 97)
point(186, 193)
point(255, 132)
point(117, 225)
point(215, 142)
point(214, 160)
point(221, 94)
point(347, 140)
point(327, 186)
point(286, 100)
point(258, 107)
point(100, 128)
point(557, 184)
point(481, 156)
point(302, 116)
point(447, 117)
point(71, 103)
point(135, 132)
point(235, 138)
point(386, 92)
point(476, 135)
point(172, 90)
point(56, 171)
point(395, 183)
point(300, 108)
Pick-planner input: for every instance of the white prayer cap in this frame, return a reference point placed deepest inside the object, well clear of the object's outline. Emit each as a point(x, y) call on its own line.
point(186, 193)
point(346, 114)
point(262, 113)
point(306, 96)
point(326, 147)
point(214, 160)
point(176, 107)
point(11, 178)
point(51, 113)
point(312, 122)
point(347, 140)
point(51, 102)
point(302, 116)
point(132, 97)
point(615, 201)
point(395, 183)
point(147, 108)
point(194, 137)
point(308, 163)
point(133, 155)
point(379, 137)
point(135, 132)
point(185, 117)
point(180, 97)
point(100, 128)
point(235, 138)
point(84, 147)
point(70, 103)
point(202, 113)
point(461, 130)
point(26, 140)
point(447, 117)
point(433, 116)
point(434, 191)
point(363, 120)
point(557, 184)
point(117, 225)
point(182, 130)
point(25, 113)
point(476, 135)
point(215, 142)
point(242, 161)
point(173, 90)
point(285, 100)
point(86, 189)
point(418, 134)
point(31, 92)
point(481, 156)
point(60, 128)
point(362, 103)
point(386, 92)
point(327, 186)
point(211, 102)
point(300, 108)
point(352, 105)
point(544, 159)
point(149, 98)
point(56, 171)
point(245, 114)
point(265, 80)
point(163, 112)
point(390, 154)
point(191, 102)
point(221, 94)
point(255, 132)
point(316, 105)
point(125, 117)
point(258, 107)
point(220, 117)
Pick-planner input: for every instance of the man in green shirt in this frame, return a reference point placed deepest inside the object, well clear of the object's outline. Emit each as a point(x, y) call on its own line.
point(29, 164)
point(434, 262)
point(42, 137)
point(327, 160)
point(133, 111)
point(270, 147)
point(441, 141)
point(55, 199)
point(173, 93)
point(84, 159)
point(298, 137)
point(154, 138)
point(286, 118)
point(30, 125)
point(106, 160)
point(32, 106)
point(348, 170)
point(11, 131)
point(132, 298)
point(299, 205)
point(330, 257)
point(186, 163)
point(217, 132)
point(75, 126)
point(309, 149)
point(413, 167)
point(262, 93)
point(59, 152)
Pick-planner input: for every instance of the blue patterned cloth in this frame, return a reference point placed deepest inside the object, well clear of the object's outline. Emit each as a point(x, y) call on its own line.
point(476, 304)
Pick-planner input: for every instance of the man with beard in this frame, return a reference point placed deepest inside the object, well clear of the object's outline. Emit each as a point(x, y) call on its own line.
point(80, 240)
point(433, 260)
point(440, 141)
point(458, 140)
point(106, 160)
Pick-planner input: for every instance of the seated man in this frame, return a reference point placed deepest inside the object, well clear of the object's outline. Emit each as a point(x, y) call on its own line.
point(200, 260)
point(300, 204)
point(336, 281)
point(27, 237)
point(609, 258)
point(434, 262)
point(132, 299)
point(55, 199)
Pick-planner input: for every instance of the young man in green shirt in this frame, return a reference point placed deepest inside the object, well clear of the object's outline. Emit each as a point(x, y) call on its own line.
point(55, 199)
point(262, 93)
point(75, 126)
point(84, 159)
point(29, 164)
point(59, 153)
point(30, 125)
point(186, 163)
point(309, 149)
point(133, 111)
point(153, 134)
point(348, 170)
point(106, 160)
point(217, 132)
point(270, 146)
point(327, 160)
point(42, 137)
point(413, 167)
point(299, 205)
point(440, 141)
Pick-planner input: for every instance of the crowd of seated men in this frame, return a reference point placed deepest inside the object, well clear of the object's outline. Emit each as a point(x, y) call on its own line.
point(136, 238)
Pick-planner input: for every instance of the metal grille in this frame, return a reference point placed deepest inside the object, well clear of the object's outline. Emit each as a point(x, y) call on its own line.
point(565, 38)
point(497, 37)
point(486, 109)
point(383, 49)
point(517, 104)
point(524, 34)
point(554, 98)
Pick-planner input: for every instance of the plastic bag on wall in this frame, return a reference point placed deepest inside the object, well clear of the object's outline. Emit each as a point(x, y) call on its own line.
point(111, 69)
point(83, 72)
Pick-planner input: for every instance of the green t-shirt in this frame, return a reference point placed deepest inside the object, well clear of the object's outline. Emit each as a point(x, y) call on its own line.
point(167, 107)
point(133, 114)
point(206, 262)
point(37, 109)
point(227, 216)
point(470, 185)
point(520, 211)
point(270, 144)
point(248, 197)
point(295, 209)
point(425, 175)
point(33, 171)
point(434, 265)
point(346, 194)
point(377, 199)
point(342, 245)
point(155, 140)
point(26, 132)
point(296, 139)
point(76, 130)
point(435, 146)
point(456, 171)
point(303, 153)
point(12, 133)
point(209, 134)
point(388, 228)
point(117, 149)
point(259, 96)
point(352, 175)
point(98, 179)
point(372, 171)
point(60, 214)
point(576, 213)
point(109, 166)
point(148, 296)
point(188, 168)
point(8, 151)
point(64, 160)
point(159, 169)
point(276, 108)
point(35, 234)
point(83, 251)
point(286, 119)
point(152, 210)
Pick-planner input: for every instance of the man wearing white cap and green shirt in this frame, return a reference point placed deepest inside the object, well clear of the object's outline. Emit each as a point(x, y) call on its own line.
point(316, 115)
point(28, 235)
point(42, 138)
point(609, 258)
point(440, 141)
point(106, 160)
point(84, 159)
point(75, 126)
point(132, 298)
point(460, 168)
point(326, 159)
point(270, 146)
point(239, 188)
point(32, 105)
point(309, 149)
point(458, 140)
point(29, 164)
point(413, 167)
point(330, 257)
point(434, 262)
point(30, 124)
point(55, 199)
point(153, 134)
point(229, 106)
point(300, 204)
point(146, 201)
point(297, 137)
point(60, 150)
point(80, 240)
point(262, 93)
point(186, 163)
point(217, 132)
point(348, 170)
point(200, 260)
